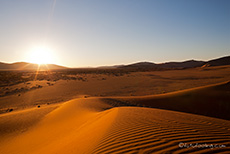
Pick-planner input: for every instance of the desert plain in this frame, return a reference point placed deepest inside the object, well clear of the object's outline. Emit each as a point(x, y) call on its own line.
point(107, 110)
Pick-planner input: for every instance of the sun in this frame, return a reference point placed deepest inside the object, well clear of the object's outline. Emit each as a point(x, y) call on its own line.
point(41, 55)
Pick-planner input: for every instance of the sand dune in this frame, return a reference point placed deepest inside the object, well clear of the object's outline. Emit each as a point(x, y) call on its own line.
point(17, 122)
point(94, 125)
point(212, 100)
point(143, 130)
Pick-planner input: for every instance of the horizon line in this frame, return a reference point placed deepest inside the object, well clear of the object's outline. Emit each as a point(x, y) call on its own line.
point(139, 61)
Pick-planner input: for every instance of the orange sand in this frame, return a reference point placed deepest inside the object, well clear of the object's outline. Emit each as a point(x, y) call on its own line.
point(92, 125)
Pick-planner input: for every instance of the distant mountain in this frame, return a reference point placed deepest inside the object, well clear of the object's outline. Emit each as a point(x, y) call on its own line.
point(28, 66)
point(219, 61)
point(185, 64)
point(140, 64)
point(168, 65)
point(136, 66)
point(179, 65)
point(109, 67)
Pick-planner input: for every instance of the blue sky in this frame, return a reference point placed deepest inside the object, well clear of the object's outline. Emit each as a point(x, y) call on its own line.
point(84, 33)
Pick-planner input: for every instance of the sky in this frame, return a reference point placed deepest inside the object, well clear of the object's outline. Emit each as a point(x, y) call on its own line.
point(89, 33)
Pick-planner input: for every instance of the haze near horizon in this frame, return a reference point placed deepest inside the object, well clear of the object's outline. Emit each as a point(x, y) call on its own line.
point(98, 33)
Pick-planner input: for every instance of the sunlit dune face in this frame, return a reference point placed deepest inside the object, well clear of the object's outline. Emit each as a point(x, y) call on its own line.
point(41, 55)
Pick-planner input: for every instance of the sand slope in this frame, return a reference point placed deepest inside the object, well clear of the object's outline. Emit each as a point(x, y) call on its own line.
point(212, 100)
point(143, 130)
point(17, 122)
point(93, 125)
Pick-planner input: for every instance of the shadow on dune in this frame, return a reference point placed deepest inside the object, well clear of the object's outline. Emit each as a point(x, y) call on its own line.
point(213, 101)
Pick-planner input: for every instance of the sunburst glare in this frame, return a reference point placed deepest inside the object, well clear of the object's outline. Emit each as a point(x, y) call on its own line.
point(41, 55)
